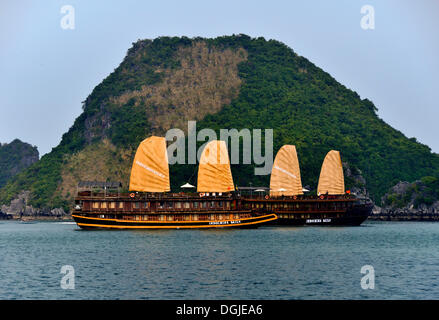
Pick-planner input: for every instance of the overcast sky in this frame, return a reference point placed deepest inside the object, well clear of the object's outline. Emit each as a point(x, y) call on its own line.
point(46, 71)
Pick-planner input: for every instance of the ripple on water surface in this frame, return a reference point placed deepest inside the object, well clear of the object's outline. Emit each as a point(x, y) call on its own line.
point(264, 263)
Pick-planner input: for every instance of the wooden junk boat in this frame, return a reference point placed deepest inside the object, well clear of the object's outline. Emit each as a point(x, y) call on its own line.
point(286, 199)
point(150, 205)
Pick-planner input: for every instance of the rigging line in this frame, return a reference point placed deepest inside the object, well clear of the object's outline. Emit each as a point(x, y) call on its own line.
point(193, 172)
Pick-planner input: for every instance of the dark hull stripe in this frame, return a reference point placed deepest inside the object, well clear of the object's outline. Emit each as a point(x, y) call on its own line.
point(87, 222)
point(345, 221)
point(352, 217)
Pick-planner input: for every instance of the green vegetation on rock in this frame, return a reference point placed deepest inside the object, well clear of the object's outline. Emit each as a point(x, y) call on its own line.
point(274, 88)
point(14, 158)
point(421, 192)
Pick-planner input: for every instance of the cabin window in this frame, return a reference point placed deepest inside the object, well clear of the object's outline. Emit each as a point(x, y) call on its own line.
point(186, 205)
point(195, 217)
point(95, 205)
point(146, 205)
point(161, 204)
point(212, 204)
point(178, 205)
point(170, 217)
point(227, 204)
point(195, 204)
point(104, 205)
point(211, 217)
point(236, 215)
point(187, 217)
point(170, 204)
point(220, 217)
point(136, 205)
point(112, 205)
point(120, 205)
point(205, 204)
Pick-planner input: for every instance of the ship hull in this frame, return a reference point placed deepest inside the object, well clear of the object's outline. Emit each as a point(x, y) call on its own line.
point(353, 217)
point(336, 211)
point(320, 221)
point(101, 223)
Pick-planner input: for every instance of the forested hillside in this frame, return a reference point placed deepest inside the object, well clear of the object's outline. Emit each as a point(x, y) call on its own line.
point(15, 157)
point(226, 82)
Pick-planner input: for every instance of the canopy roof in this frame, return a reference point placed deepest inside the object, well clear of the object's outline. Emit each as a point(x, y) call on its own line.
point(150, 170)
point(187, 185)
point(331, 179)
point(285, 175)
point(214, 174)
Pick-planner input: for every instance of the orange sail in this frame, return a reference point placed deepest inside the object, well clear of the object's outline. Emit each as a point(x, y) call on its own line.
point(214, 174)
point(150, 170)
point(331, 179)
point(285, 175)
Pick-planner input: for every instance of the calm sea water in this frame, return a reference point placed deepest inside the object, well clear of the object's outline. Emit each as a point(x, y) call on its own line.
point(265, 263)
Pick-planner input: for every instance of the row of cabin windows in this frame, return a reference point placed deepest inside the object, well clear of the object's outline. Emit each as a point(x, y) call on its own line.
point(297, 206)
point(172, 217)
point(165, 205)
point(195, 205)
point(109, 205)
point(307, 216)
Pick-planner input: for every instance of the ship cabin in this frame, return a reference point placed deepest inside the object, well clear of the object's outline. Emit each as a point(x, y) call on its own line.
point(288, 199)
point(103, 200)
point(301, 207)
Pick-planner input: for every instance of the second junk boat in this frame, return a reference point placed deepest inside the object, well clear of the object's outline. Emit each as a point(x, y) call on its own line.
point(331, 206)
point(150, 205)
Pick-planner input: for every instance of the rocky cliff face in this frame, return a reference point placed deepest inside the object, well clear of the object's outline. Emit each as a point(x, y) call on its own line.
point(416, 198)
point(19, 208)
point(354, 181)
point(14, 158)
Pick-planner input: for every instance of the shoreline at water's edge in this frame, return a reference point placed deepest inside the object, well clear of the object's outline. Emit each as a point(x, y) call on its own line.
point(36, 218)
point(404, 217)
